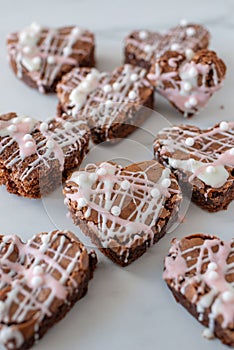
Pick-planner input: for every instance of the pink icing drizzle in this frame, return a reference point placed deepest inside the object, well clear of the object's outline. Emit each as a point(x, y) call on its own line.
point(177, 274)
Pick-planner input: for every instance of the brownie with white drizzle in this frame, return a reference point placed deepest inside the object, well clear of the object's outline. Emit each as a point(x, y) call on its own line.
point(41, 56)
point(188, 82)
point(201, 159)
point(123, 210)
point(36, 156)
point(40, 282)
point(199, 272)
point(142, 47)
point(112, 103)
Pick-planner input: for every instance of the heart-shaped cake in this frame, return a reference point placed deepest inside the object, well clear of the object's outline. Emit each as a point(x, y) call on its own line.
point(40, 281)
point(188, 82)
point(143, 47)
point(41, 56)
point(199, 272)
point(203, 159)
point(110, 102)
point(34, 155)
point(123, 209)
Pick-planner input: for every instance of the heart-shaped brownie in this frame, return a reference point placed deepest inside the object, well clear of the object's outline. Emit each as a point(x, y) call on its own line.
point(203, 159)
point(41, 56)
point(110, 102)
point(143, 47)
point(123, 210)
point(35, 155)
point(199, 272)
point(39, 283)
point(188, 82)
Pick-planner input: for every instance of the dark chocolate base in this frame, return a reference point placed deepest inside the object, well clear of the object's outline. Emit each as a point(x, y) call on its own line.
point(41, 183)
point(131, 254)
point(131, 58)
point(48, 322)
point(118, 131)
point(225, 335)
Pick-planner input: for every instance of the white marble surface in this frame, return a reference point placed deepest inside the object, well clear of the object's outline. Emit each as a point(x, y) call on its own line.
point(127, 308)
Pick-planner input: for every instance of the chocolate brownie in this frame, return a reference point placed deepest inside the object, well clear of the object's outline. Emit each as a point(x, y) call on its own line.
point(110, 102)
point(123, 210)
point(34, 156)
point(203, 159)
point(41, 280)
point(142, 47)
point(41, 56)
point(199, 272)
point(188, 82)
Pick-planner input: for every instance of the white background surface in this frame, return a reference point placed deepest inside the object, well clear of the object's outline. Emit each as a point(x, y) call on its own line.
point(127, 308)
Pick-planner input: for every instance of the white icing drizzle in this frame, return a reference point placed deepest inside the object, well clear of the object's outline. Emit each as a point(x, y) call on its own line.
point(213, 287)
point(148, 45)
point(45, 51)
point(47, 257)
point(109, 194)
point(209, 157)
point(111, 94)
point(45, 146)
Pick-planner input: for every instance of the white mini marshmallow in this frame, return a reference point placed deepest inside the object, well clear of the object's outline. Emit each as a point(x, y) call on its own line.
point(134, 77)
point(175, 47)
point(29, 144)
point(51, 60)
point(166, 183)
point(125, 185)
point(155, 192)
point(189, 53)
point(143, 34)
point(148, 48)
point(115, 210)
point(224, 126)
point(190, 31)
point(132, 95)
point(189, 141)
point(43, 127)
point(27, 137)
point(107, 88)
point(210, 169)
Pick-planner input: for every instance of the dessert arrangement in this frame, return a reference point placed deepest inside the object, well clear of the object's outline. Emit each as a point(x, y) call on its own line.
point(124, 210)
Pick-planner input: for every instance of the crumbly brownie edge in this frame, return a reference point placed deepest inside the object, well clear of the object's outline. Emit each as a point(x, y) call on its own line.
point(130, 58)
point(219, 332)
point(43, 185)
point(49, 322)
point(119, 130)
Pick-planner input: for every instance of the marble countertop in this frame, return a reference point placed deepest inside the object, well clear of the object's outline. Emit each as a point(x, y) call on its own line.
point(127, 308)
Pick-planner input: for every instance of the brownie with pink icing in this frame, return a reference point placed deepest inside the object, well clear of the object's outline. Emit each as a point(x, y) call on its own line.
point(40, 282)
point(123, 209)
point(36, 156)
point(199, 272)
point(188, 82)
point(202, 160)
point(143, 47)
point(41, 56)
point(112, 103)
